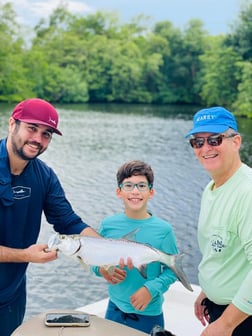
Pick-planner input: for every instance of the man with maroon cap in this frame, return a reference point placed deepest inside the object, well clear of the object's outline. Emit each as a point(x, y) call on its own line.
point(224, 227)
point(28, 187)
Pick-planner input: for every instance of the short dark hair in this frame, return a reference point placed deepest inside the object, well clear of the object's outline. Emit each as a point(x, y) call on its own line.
point(135, 168)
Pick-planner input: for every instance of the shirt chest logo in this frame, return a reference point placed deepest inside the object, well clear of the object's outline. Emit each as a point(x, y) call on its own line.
point(20, 192)
point(217, 243)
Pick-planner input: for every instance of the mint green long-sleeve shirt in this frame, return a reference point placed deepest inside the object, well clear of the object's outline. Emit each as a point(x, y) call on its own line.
point(225, 240)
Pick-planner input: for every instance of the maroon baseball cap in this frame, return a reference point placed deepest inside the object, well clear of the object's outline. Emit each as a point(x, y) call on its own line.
point(37, 111)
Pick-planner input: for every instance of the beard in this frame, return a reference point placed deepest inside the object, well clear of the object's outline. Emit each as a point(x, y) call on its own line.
point(20, 152)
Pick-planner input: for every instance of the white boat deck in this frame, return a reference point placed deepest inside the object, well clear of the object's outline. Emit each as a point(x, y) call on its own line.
point(178, 310)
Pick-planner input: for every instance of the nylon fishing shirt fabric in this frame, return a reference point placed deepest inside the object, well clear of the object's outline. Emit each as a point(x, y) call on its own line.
point(23, 198)
point(154, 232)
point(225, 240)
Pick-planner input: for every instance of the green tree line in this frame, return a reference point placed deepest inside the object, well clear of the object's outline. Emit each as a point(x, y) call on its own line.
point(71, 58)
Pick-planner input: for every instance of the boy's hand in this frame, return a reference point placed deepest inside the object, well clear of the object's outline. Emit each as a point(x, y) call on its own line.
point(129, 263)
point(113, 275)
point(141, 298)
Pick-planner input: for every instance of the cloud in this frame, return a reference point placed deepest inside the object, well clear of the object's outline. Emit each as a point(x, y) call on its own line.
point(46, 7)
point(31, 11)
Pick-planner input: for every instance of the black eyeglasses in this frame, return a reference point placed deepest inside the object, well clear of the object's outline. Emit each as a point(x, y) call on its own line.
point(212, 140)
point(141, 186)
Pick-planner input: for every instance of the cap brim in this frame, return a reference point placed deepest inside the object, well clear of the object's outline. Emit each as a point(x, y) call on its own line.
point(208, 129)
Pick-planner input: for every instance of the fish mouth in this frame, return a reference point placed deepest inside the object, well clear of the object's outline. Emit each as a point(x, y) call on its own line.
point(67, 244)
point(53, 242)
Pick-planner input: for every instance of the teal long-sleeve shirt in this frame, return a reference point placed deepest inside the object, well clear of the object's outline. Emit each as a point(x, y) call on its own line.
point(154, 232)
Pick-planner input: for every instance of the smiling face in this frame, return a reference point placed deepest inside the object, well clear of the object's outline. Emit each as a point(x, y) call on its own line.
point(26, 141)
point(220, 161)
point(135, 201)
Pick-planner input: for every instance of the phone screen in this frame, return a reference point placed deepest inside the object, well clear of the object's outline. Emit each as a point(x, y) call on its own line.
point(67, 319)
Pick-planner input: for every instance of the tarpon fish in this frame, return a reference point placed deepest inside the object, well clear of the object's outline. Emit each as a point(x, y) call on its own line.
point(98, 251)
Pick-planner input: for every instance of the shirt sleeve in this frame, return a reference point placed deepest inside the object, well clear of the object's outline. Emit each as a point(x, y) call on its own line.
point(58, 210)
point(243, 297)
point(160, 284)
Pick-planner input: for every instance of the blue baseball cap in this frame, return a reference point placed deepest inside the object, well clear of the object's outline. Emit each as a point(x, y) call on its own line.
point(213, 120)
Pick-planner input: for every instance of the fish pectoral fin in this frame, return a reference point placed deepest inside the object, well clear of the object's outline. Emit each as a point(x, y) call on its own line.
point(143, 271)
point(83, 263)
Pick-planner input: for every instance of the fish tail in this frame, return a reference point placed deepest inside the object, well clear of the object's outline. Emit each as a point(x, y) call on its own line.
point(176, 266)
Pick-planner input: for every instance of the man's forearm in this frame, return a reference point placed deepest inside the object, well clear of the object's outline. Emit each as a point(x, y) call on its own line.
point(8, 254)
point(88, 231)
point(232, 316)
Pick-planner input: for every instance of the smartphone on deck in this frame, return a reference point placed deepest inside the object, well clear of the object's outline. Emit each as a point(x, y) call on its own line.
point(76, 319)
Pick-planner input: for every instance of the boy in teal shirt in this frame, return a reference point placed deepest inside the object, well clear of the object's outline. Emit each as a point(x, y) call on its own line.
point(134, 300)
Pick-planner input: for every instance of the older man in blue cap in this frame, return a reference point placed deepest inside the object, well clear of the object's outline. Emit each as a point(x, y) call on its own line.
point(224, 227)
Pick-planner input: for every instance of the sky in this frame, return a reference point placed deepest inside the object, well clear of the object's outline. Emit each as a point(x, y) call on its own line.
point(217, 15)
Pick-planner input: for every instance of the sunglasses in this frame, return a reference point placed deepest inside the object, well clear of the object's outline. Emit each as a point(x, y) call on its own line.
point(212, 140)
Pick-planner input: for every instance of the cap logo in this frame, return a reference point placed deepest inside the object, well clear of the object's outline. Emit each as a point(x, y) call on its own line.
point(206, 117)
point(52, 121)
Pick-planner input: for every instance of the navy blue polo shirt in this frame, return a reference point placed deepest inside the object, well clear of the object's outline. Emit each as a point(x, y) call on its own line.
point(23, 199)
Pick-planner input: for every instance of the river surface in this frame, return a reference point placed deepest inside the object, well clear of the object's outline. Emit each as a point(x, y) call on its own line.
point(96, 140)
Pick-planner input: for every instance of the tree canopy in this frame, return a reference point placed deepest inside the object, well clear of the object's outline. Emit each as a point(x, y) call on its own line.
point(96, 58)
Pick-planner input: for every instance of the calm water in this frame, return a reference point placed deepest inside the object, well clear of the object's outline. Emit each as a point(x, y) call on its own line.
point(96, 141)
